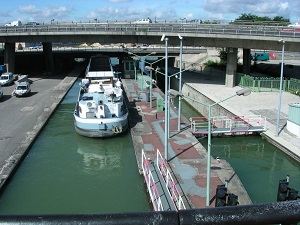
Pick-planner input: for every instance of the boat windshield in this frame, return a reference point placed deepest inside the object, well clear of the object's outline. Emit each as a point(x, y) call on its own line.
point(100, 64)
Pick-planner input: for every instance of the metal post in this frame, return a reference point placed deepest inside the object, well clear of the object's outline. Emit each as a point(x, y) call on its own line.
point(142, 73)
point(180, 83)
point(242, 92)
point(169, 110)
point(280, 88)
point(151, 87)
point(166, 98)
point(208, 158)
point(134, 70)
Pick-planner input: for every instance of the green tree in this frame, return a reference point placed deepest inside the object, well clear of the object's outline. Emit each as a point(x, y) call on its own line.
point(253, 18)
point(280, 19)
point(222, 53)
point(246, 16)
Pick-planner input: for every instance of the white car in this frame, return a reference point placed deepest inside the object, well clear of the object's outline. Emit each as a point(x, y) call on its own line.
point(23, 89)
point(7, 78)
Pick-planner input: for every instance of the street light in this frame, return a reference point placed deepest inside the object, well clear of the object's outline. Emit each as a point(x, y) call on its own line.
point(242, 92)
point(180, 83)
point(150, 68)
point(280, 88)
point(163, 38)
point(168, 96)
point(142, 59)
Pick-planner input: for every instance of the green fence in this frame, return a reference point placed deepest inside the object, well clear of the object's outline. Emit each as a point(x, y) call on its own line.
point(268, 84)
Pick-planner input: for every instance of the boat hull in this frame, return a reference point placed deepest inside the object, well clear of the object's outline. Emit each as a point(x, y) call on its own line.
point(101, 128)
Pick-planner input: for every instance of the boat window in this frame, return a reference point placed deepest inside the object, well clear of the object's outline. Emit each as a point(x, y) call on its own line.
point(100, 64)
point(86, 98)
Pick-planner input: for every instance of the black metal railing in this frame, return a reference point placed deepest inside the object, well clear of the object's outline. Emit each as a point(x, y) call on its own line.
point(287, 212)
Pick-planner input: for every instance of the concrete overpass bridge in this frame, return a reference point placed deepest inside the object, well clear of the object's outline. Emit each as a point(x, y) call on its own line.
point(232, 37)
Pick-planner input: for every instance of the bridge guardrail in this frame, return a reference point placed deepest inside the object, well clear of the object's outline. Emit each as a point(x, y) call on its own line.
point(155, 27)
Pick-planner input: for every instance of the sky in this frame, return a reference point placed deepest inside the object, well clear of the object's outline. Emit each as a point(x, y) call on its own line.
point(157, 10)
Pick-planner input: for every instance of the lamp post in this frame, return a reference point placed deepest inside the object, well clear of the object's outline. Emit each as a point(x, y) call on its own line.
point(150, 68)
point(136, 58)
point(168, 97)
point(180, 83)
point(242, 92)
point(280, 88)
point(164, 38)
point(182, 19)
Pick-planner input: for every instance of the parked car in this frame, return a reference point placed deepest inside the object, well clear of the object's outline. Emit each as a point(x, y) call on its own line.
point(23, 89)
point(14, 24)
point(32, 24)
point(7, 78)
point(1, 91)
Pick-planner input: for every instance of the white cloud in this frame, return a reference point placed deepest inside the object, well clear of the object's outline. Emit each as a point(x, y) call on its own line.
point(269, 8)
point(56, 12)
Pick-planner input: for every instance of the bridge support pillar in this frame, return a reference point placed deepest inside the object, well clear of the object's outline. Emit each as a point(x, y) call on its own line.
point(47, 49)
point(9, 56)
point(231, 67)
point(246, 61)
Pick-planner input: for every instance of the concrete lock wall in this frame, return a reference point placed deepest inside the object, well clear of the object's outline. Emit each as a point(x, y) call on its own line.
point(216, 110)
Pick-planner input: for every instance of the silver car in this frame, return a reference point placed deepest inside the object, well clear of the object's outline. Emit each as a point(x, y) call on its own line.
point(23, 89)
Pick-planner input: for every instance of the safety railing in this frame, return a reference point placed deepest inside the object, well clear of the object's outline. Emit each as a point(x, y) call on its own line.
point(268, 84)
point(198, 123)
point(151, 184)
point(80, 28)
point(287, 212)
point(224, 124)
point(171, 185)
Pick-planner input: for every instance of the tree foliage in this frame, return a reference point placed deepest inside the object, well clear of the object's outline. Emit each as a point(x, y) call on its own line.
point(252, 17)
point(222, 53)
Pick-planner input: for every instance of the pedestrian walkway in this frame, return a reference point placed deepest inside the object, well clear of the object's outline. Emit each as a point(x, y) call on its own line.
point(186, 156)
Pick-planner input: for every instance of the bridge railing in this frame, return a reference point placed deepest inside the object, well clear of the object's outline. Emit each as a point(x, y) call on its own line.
point(83, 28)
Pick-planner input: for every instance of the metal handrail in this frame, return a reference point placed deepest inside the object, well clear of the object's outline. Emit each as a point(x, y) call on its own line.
point(151, 184)
point(155, 27)
point(286, 212)
point(169, 181)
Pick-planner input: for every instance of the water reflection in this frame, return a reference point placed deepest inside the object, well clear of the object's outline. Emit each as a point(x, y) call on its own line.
point(248, 148)
point(99, 155)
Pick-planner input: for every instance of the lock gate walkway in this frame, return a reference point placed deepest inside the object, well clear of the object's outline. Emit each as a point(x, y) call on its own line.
point(229, 125)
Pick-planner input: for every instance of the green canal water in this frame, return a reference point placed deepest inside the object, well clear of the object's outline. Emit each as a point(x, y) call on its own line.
point(258, 163)
point(65, 173)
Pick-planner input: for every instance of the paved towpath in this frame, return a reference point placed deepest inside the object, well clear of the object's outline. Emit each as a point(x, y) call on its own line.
point(23, 118)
